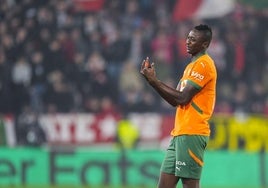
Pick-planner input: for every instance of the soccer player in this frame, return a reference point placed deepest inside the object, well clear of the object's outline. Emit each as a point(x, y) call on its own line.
point(194, 99)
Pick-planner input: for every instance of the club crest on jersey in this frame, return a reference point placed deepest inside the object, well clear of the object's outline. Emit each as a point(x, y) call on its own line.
point(182, 85)
point(197, 75)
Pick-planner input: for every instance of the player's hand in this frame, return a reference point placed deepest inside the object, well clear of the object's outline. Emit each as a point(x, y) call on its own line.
point(147, 70)
point(145, 65)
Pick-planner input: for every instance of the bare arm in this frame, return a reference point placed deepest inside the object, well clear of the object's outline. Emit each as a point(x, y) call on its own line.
point(171, 95)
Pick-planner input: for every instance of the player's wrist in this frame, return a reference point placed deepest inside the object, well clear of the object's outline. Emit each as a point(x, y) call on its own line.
point(153, 81)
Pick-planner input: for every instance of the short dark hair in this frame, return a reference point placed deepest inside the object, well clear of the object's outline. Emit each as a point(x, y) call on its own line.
point(206, 30)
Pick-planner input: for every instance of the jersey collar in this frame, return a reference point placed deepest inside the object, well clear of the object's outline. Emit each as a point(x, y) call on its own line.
point(194, 58)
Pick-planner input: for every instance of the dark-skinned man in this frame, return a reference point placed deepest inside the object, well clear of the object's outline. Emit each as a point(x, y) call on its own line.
point(194, 100)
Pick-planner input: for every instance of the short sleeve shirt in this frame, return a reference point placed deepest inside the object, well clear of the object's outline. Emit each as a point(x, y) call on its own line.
point(192, 119)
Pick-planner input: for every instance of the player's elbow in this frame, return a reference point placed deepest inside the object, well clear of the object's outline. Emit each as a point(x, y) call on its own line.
point(183, 102)
point(173, 103)
point(177, 100)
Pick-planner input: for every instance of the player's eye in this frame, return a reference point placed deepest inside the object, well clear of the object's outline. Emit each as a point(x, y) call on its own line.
point(192, 39)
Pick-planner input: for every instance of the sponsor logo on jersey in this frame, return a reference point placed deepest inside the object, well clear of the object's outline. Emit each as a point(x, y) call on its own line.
point(197, 75)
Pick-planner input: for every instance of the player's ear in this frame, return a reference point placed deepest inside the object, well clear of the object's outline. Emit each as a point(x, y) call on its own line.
point(205, 44)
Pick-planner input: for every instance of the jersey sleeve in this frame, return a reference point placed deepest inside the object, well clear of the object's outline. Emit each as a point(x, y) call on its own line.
point(200, 74)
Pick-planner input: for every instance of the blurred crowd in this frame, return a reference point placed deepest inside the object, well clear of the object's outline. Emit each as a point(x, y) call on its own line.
point(55, 59)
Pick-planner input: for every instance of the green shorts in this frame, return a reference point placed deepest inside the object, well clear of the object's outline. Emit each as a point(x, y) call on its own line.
point(184, 157)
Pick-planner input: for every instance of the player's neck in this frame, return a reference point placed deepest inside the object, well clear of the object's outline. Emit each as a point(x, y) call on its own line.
point(196, 56)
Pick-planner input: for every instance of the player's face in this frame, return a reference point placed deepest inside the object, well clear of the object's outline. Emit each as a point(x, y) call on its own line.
point(195, 42)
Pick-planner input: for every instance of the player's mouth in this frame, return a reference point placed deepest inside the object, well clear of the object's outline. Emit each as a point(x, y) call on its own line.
point(188, 49)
